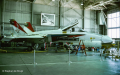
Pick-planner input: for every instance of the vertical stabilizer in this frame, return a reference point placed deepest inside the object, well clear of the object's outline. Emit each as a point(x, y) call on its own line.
point(13, 22)
point(29, 26)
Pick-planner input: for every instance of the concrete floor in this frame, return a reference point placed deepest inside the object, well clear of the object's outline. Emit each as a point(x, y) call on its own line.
point(57, 64)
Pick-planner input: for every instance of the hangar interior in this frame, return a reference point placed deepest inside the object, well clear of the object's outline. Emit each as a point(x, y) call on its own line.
point(101, 17)
point(66, 11)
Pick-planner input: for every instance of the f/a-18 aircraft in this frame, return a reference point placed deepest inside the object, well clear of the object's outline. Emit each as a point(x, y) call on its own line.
point(39, 36)
point(60, 35)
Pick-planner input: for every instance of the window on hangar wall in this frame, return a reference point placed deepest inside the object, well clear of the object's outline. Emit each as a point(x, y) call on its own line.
point(113, 22)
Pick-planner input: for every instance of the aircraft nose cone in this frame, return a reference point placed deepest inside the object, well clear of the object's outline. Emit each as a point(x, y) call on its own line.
point(106, 39)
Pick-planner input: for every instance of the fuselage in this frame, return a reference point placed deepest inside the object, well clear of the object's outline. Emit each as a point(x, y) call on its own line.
point(89, 39)
point(60, 35)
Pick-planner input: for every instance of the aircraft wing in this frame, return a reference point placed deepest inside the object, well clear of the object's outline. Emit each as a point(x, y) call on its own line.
point(68, 27)
point(32, 39)
point(43, 38)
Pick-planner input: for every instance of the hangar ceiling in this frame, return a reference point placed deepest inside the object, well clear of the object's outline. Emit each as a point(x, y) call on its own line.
point(88, 4)
point(102, 4)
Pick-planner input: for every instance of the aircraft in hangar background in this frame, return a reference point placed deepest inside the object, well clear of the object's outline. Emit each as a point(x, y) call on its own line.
point(60, 35)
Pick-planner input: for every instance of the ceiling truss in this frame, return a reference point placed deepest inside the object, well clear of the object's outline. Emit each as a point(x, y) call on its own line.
point(88, 4)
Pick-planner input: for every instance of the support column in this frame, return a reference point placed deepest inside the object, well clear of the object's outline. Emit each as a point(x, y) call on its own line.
point(32, 12)
point(59, 12)
point(32, 4)
point(83, 15)
point(3, 10)
point(0, 17)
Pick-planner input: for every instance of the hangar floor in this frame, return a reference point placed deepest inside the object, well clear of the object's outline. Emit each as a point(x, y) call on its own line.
point(57, 64)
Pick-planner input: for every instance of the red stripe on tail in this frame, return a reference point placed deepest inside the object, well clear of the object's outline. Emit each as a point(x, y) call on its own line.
point(13, 22)
point(29, 26)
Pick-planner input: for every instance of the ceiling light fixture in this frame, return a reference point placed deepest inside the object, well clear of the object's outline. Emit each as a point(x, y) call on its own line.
point(81, 3)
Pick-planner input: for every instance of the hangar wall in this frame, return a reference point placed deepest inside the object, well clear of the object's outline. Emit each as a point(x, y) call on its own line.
point(20, 11)
point(73, 10)
point(90, 21)
point(69, 13)
point(0, 16)
point(27, 12)
point(40, 8)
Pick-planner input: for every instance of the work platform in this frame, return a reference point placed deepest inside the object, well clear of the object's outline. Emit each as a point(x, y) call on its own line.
point(57, 64)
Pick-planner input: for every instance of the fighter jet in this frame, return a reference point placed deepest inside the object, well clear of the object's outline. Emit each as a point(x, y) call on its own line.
point(60, 35)
point(39, 36)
